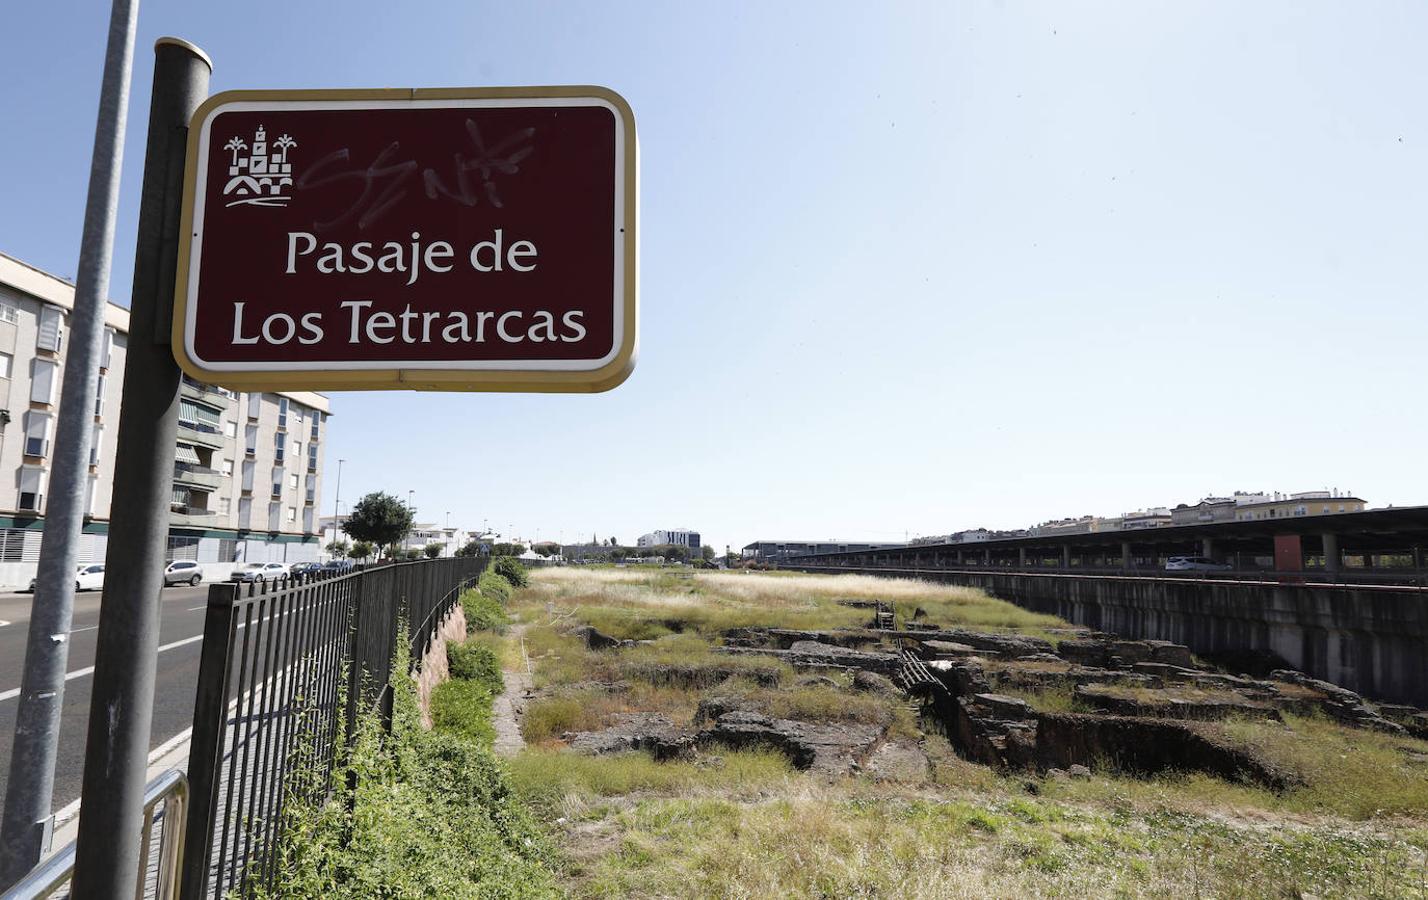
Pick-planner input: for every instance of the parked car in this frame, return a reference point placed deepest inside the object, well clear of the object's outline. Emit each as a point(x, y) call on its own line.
point(338, 566)
point(1195, 564)
point(257, 571)
point(182, 571)
point(305, 568)
point(86, 578)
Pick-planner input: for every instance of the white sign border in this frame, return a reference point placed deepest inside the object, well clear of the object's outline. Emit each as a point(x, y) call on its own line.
point(619, 237)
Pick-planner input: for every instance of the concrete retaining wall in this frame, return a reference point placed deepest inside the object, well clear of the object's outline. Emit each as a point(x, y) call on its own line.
point(1370, 640)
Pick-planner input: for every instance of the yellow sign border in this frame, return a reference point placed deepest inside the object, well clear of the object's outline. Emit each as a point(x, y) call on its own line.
point(534, 380)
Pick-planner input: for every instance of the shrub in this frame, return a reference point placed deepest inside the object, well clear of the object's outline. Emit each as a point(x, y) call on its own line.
point(473, 661)
point(510, 568)
point(413, 813)
point(495, 587)
point(483, 613)
point(463, 707)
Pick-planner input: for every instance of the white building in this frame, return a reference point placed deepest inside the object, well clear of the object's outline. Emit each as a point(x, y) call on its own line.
point(247, 470)
point(680, 538)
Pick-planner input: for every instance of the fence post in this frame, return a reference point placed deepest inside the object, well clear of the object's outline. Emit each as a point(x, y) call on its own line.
point(205, 758)
point(354, 658)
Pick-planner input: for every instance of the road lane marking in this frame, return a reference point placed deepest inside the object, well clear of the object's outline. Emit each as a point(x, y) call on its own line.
point(89, 670)
point(3, 623)
point(86, 628)
point(192, 608)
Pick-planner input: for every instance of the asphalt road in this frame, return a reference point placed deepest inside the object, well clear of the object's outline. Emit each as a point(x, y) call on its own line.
point(180, 640)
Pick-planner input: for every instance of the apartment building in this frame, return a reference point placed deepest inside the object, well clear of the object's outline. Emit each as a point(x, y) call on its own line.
point(247, 470)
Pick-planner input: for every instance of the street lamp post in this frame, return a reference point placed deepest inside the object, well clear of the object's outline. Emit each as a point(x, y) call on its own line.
point(337, 502)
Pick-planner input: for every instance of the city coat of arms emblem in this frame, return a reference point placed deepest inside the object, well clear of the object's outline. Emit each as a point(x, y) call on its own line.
point(259, 177)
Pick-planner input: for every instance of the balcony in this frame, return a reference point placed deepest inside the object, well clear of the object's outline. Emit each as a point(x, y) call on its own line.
point(199, 433)
point(201, 477)
point(190, 515)
point(203, 393)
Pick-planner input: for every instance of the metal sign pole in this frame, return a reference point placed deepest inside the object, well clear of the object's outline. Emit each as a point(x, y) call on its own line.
point(24, 835)
point(121, 711)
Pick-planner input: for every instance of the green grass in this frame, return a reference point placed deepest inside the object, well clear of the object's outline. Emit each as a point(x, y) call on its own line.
point(820, 841)
point(464, 708)
point(551, 780)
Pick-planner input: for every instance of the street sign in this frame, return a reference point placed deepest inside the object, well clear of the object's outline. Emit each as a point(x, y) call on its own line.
point(461, 239)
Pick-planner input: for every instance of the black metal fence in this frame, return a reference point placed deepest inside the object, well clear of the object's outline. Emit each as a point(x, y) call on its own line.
point(277, 659)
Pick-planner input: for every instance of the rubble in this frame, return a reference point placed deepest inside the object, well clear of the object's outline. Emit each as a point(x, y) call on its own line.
point(830, 749)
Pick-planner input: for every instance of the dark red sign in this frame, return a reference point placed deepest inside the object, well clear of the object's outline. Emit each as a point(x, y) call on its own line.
point(467, 240)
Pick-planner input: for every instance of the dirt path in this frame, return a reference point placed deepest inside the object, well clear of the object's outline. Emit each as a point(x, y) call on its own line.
point(507, 708)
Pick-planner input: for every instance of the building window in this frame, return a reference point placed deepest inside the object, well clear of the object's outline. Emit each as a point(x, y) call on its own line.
point(228, 547)
point(107, 354)
point(37, 434)
point(7, 361)
point(227, 468)
point(282, 412)
point(32, 486)
point(293, 481)
point(250, 440)
point(183, 548)
point(51, 331)
point(230, 429)
point(99, 397)
point(312, 457)
point(255, 404)
point(42, 383)
point(96, 445)
point(224, 505)
point(280, 440)
point(292, 514)
point(316, 422)
point(9, 312)
point(245, 513)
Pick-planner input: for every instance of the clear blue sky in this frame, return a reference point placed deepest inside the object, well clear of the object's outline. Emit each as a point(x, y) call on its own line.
point(906, 267)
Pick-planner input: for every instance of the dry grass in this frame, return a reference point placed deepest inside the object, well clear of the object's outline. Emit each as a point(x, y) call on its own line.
point(638, 604)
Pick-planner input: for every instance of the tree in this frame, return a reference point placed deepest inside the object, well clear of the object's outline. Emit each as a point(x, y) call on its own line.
point(472, 548)
point(360, 550)
point(338, 548)
point(707, 552)
point(380, 519)
point(546, 548)
point(433, 550)
point(507, 549)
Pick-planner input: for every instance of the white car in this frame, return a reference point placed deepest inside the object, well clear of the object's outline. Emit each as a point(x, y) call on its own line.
point(86, 578)
point(182, 571)
point(1195, 564)
point(257, 571)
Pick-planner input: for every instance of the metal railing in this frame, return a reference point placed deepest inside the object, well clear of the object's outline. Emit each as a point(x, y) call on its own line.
point(277, 658)
point(165, 804)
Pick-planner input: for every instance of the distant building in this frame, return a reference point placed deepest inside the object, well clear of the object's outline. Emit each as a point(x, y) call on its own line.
point(765, 551)
point(677, 538)
point(1079, 525)
point(1305, 503)
point(1155, 517)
